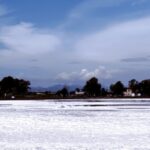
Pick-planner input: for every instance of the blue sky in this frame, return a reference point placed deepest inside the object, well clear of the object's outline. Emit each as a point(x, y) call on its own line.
point(68, 41)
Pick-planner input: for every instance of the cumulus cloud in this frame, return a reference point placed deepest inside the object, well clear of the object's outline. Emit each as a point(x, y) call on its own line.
point(26, 38)
point(85, 74)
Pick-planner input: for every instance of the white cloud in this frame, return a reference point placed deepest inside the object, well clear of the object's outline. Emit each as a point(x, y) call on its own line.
point(87, 6)
point(84, 13)
point(26, 38)
point(129, 39)
point(85, 74)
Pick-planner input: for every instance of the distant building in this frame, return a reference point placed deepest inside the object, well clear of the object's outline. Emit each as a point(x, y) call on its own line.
point(40, 93)
point(79, 93)
point(139, 94)
point(129, 93)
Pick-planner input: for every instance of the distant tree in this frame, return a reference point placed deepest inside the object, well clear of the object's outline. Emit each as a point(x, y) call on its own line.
point(0, 89)
point(7, 84)
point(104, 92)
point(134, 85)
point(72, 93)
point(58, 93)
point(64, 92)
point(145, 87)
point(77, 90)
point(117, 88)
point(14, 86)
point(22, 86)
point(92, 87)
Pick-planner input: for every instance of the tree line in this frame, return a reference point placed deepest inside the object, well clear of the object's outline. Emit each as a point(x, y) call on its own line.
point(92, 88)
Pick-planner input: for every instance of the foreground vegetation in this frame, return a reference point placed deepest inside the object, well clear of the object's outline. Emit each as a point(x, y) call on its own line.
point(19, 89)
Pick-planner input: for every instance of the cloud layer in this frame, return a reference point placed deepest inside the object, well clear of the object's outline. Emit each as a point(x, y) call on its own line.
point(26, 38)
point(128, 39)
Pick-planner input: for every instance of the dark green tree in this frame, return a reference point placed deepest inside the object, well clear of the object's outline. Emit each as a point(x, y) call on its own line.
point(22, 86)
point(77, 90)
point(104, 92)
point(134, 85)
point(92, 87)
point(0, 89)
point(145, 87)
point(117, 88)
point(7, 85)
point(14, 86)
point(64, 92)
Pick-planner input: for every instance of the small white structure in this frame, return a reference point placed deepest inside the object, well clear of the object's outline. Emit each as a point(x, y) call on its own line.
point(133, 95)
point(79, 93)
point(139, 94)
point(128, 93)
point(12, 97)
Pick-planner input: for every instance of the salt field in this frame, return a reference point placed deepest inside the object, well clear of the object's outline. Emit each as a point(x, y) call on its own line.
point(78, 125)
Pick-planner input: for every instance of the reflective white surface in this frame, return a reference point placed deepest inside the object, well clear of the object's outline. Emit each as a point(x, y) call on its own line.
point(78, 125)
